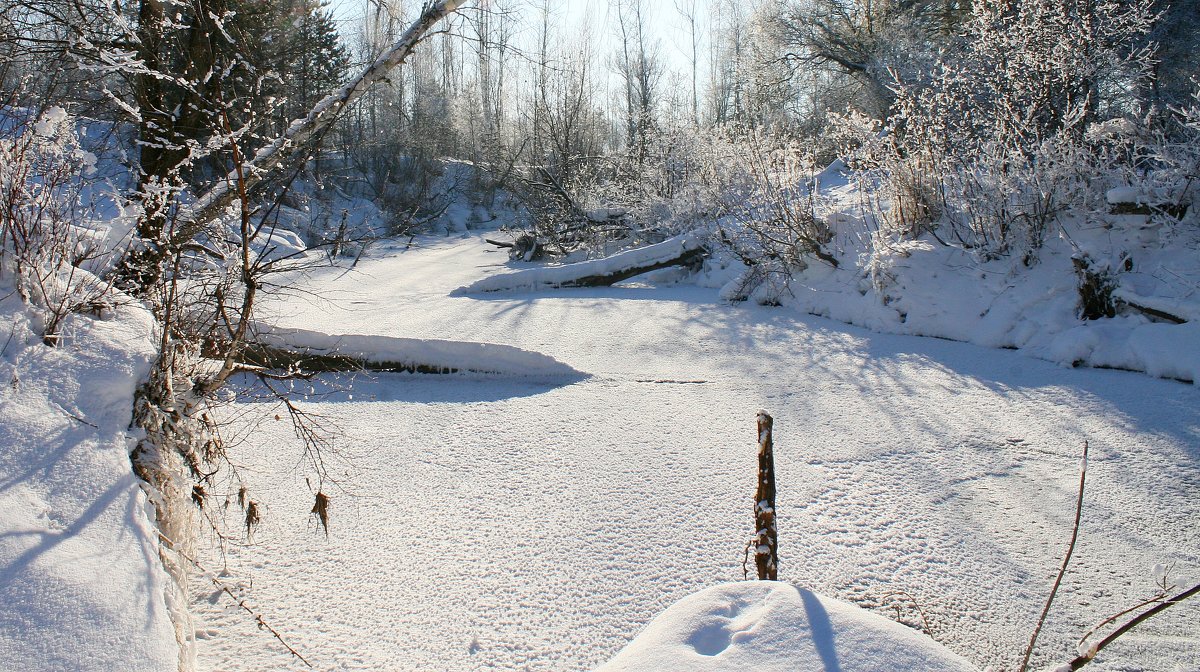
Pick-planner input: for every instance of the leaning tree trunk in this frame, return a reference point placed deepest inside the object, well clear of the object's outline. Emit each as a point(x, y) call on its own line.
point(142, 266)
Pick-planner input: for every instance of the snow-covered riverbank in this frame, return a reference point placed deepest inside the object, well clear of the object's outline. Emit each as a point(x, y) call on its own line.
point(81, 583)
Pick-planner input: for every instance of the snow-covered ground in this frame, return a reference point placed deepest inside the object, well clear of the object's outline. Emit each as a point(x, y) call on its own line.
point(81, 585)
point(492, 522)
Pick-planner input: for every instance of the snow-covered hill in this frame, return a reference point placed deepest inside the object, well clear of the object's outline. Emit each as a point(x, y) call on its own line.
point(770, 626)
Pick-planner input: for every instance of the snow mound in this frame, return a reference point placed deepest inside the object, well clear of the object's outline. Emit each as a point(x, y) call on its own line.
point(767, 625)
point(424, 355)
point(81, 583)
point(649, 258)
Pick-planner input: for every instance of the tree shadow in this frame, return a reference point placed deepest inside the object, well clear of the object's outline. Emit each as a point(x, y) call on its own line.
point(821, 630)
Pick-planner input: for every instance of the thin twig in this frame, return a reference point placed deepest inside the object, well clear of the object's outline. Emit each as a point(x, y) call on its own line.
point(1112, 619)
point(1090, 654)
point(746, 560)
point(76, 418)
point(1066, 560)
point(925, 624)
point(258, 619)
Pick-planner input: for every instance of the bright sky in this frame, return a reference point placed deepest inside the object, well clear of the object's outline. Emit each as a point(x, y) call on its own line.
point(664, 22)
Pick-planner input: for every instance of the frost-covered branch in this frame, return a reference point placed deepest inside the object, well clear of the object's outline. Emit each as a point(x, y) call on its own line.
point(1090, 654)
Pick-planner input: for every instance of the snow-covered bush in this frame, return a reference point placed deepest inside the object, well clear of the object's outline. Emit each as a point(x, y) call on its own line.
point(1158, 163)
point(44, 254)
point(599, 206)
point(769, 202)
point(989, 147)
point(902, 189)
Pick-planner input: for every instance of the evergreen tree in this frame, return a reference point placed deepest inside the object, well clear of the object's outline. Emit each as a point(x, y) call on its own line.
point(303, 51)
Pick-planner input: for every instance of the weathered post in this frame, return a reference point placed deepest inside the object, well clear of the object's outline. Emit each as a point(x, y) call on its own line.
point(766, 543)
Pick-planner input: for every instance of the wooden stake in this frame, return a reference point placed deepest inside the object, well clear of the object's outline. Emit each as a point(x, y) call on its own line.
point(766, 543)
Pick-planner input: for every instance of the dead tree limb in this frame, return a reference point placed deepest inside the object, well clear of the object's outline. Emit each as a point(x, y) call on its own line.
point(1149, 311)
point(688, 258)
point(1065, 561)
point(1090, 654)
point(685, 250)
point(559, 190)
point(256, 356)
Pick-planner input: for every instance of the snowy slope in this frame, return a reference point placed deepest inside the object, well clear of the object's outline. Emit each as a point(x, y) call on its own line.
point(540, 526)
point(81, 584)
point(925, 288)
point(772, 626)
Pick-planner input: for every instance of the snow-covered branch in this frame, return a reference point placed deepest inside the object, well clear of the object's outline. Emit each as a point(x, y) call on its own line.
point(317, 121)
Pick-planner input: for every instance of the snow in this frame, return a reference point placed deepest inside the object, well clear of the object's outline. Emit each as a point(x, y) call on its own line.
point(510, 524)
point(47, 125)
point(765, 625)
point(1004, 303)
point(1119, 195)
point(448, 356)
point(546, 277)
point(80, 579)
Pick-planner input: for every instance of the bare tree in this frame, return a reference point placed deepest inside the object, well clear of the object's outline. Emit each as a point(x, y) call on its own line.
point(640, 69)
point(869, 41)
point(687, 11)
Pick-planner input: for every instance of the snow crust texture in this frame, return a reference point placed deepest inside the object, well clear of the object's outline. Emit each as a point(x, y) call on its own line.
point(540, 525)
point(81, 584)
point(774, 626)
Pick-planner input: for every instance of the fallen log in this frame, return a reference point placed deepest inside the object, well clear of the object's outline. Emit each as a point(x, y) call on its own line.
point(266, 357)
point(1172, 210)
point(687, 258)
point(1158, 308)
point(685, 250)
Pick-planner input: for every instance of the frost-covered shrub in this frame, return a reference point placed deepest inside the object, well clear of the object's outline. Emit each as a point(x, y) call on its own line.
point(989, 147)
point(46, 256)
point(770, 204)
point(902, 188)
point(604, 204)
point(1163, 164)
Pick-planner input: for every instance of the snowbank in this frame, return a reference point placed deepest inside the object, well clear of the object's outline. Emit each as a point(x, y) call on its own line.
point(648, 258)
point(768, 625)
point(924, 288)
point(417, 354)
point(81, 584)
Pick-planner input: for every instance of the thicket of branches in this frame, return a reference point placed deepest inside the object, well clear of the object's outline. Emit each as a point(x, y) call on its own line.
point(981, 122)
point(184, 103)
